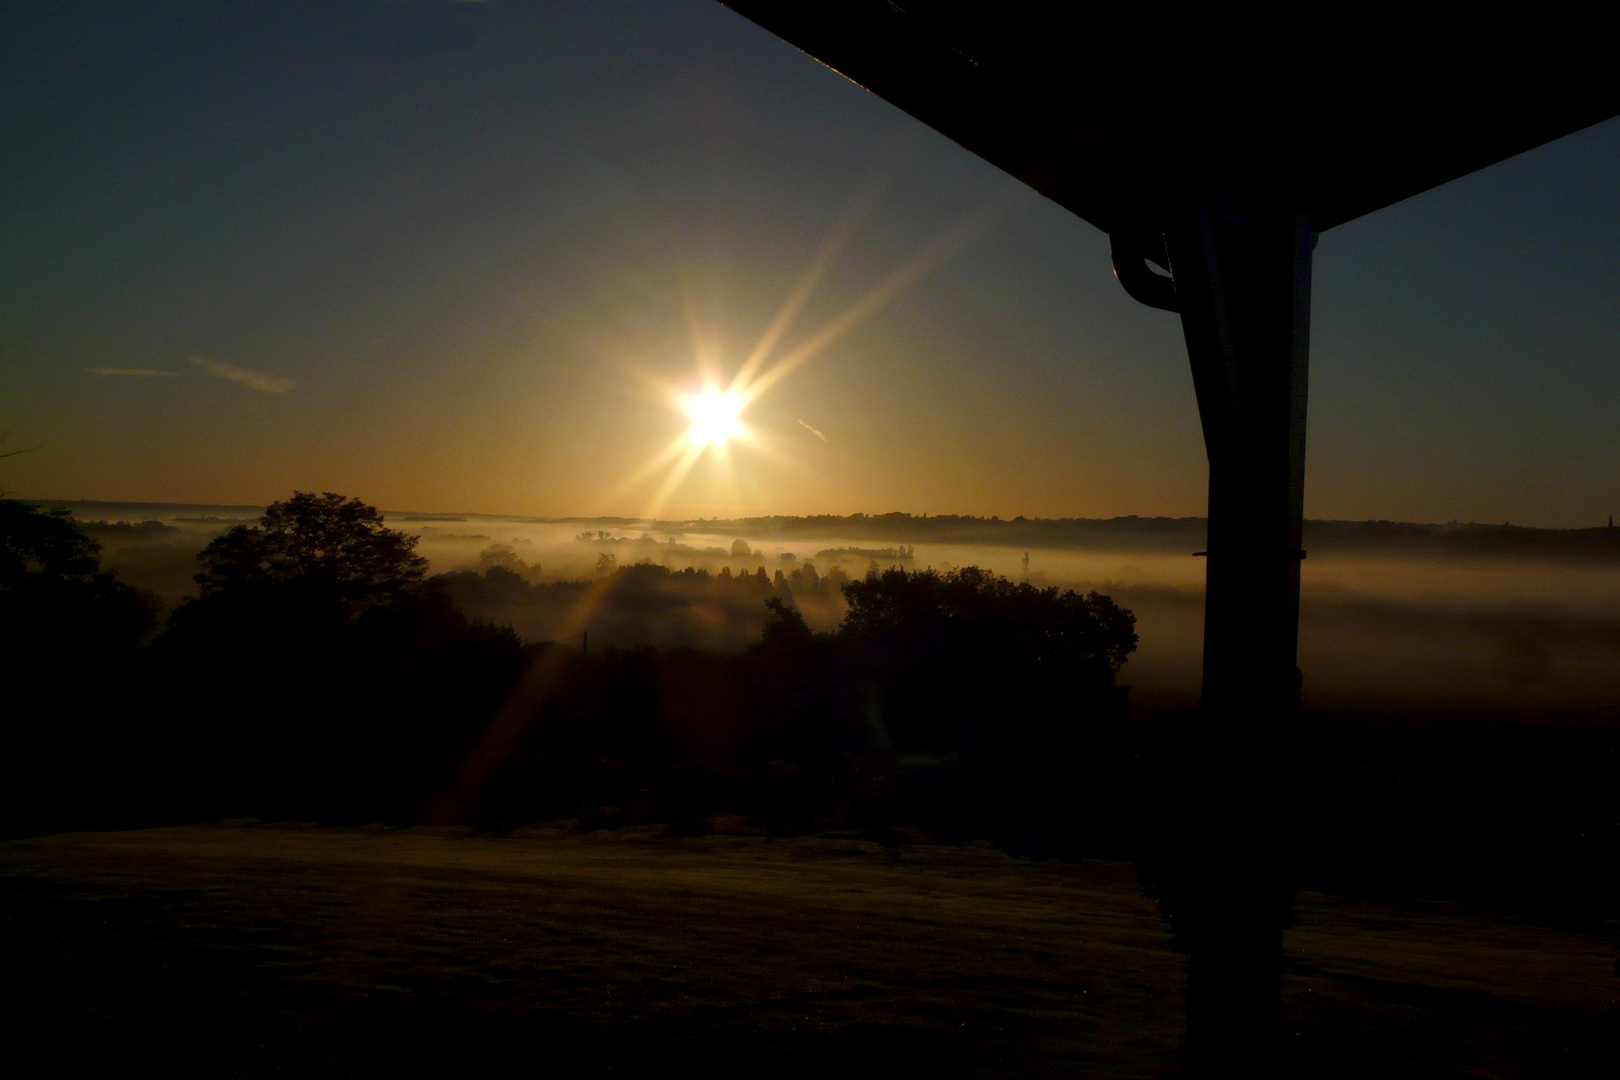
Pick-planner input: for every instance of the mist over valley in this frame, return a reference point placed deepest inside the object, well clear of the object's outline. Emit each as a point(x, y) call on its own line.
point(1395, 617)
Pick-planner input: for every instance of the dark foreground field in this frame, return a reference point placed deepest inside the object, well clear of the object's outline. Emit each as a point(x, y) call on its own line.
point(283, 950)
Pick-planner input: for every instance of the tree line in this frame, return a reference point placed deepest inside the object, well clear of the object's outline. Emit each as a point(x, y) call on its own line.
point(319, 673)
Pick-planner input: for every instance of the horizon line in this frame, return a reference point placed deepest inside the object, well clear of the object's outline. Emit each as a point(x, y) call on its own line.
point(630, 520)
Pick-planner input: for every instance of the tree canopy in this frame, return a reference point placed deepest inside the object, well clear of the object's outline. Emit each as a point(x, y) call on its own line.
point(968, 663)
point(1042, 626)
point(54, 590)
point(44, 543)
point(365, 681)
point(324, 542)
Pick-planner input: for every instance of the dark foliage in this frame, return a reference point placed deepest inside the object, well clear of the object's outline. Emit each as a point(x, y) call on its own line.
point(324, 678)
point(325, 544)
point(956, 705)
point(70, 636)
point(316, 676)
point(42, 544)
point(58, 601)
point(970, 663)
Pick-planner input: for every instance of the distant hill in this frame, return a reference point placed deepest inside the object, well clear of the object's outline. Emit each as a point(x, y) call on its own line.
point(1497, 541)
point(1133, 533)
point(1129, 533)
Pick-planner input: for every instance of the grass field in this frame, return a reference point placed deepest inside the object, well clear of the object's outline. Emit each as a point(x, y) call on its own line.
point(281, 950)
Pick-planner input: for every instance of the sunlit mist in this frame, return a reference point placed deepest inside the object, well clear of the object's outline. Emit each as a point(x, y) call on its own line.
point(714, 417)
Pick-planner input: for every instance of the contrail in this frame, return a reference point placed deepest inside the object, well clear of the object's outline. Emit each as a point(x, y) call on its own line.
point(255, 380)
point(812, 431)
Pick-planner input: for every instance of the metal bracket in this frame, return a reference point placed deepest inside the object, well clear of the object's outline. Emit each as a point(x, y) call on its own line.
point(1137, 278)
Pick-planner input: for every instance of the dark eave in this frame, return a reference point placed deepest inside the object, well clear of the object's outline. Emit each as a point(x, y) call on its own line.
point(1113, 115)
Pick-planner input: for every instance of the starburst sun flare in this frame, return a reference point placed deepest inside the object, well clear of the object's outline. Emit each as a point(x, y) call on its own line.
point(715, 410)
point(714, 417)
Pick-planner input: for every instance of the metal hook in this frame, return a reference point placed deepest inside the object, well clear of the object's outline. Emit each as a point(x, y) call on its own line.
point(1139, 282)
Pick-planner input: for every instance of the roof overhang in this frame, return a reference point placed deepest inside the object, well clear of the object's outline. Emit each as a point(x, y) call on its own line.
point(1119, 116)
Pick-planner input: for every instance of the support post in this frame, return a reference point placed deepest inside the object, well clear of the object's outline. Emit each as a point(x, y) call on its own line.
point(1242, 283)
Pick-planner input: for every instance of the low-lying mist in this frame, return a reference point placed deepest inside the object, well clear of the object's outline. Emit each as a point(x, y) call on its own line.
point(1402, 619)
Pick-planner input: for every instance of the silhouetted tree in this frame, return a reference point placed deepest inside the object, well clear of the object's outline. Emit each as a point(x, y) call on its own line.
point(786, 631)
point(42, 542)
point(504, 557)
point(966, 660)
point(327, 678)
point(991, 686)
point(282, 593)
point(70, 635)
point(1042, 626)
point(316, 541)
point(54, 594)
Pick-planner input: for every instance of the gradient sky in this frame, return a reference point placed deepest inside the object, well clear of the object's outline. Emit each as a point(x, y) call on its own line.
point(442, 256)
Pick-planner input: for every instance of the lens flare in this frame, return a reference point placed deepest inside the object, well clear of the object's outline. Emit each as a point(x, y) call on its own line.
point(714, 417)
point(714, 412)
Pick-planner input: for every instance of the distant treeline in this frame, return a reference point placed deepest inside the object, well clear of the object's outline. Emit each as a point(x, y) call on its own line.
point(127, 530)
point(1175, 535)
point(890, 556)
point(1489, 541)
point(1127, 533)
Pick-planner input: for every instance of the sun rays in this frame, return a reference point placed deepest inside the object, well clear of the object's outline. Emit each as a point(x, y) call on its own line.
point(715, 407)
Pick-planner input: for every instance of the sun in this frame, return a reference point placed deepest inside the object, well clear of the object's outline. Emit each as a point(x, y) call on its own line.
point(714, 417)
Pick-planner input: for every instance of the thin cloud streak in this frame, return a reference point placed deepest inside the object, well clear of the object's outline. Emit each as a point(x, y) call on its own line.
point(812, 431)
point(131, 372)
point(253, 380)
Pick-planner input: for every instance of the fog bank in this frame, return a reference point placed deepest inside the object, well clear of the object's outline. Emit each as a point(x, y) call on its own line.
point(1480, 620)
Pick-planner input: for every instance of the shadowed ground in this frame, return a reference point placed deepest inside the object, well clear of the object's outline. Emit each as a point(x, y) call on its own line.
point(282, 950)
